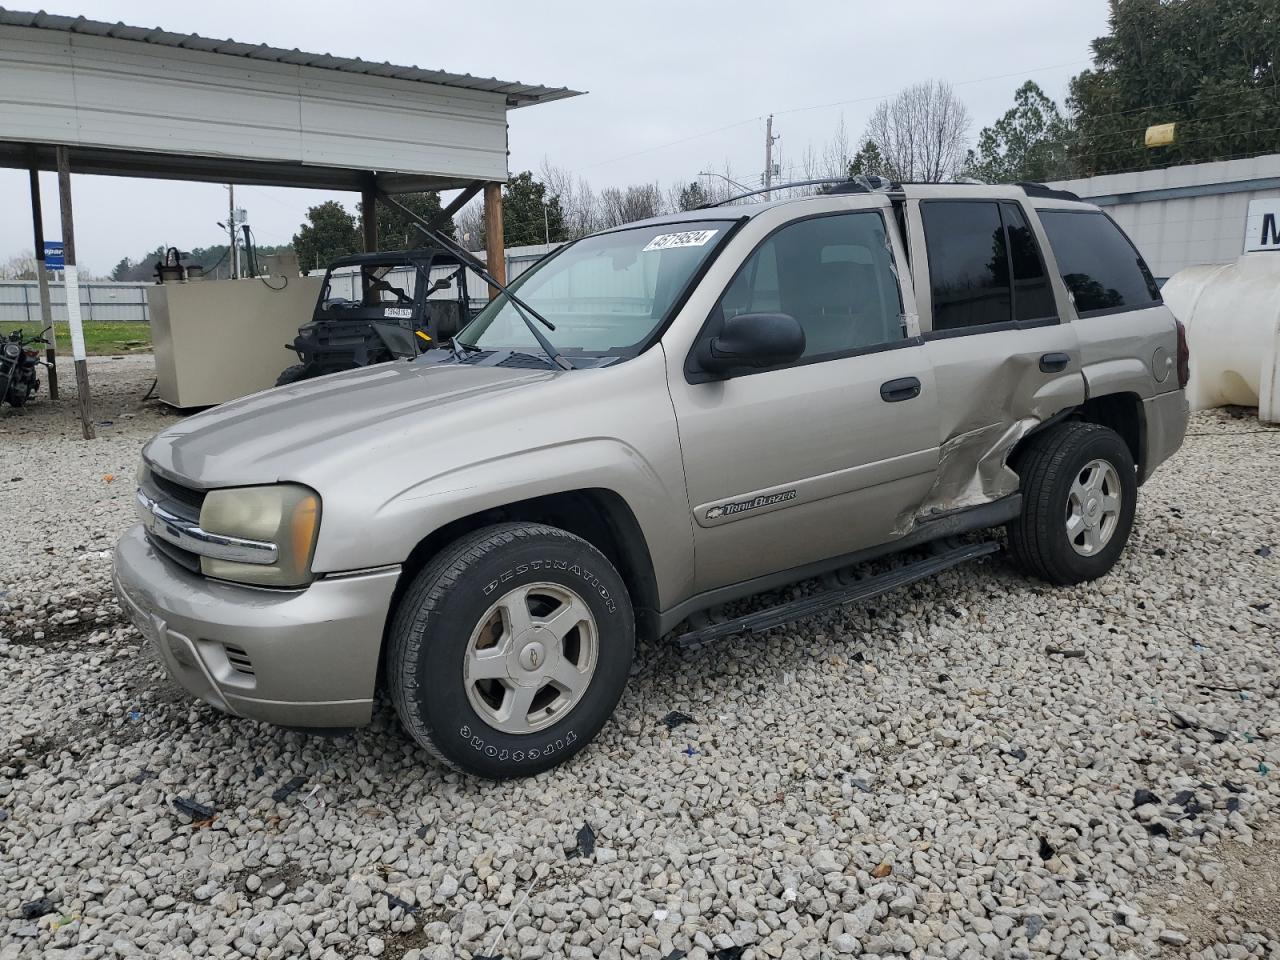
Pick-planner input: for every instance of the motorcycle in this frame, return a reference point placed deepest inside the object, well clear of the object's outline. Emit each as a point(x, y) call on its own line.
point(18, 381)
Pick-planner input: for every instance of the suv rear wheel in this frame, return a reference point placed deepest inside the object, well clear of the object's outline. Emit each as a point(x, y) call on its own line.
point(1079, 494)
point(509, 652)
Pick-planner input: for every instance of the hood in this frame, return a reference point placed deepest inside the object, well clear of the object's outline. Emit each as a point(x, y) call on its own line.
point(277, 434)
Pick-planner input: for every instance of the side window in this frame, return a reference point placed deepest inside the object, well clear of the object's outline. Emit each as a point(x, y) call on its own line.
point(968, 263)
point(1099, 265)
point(833, 274)
point(1032, 295)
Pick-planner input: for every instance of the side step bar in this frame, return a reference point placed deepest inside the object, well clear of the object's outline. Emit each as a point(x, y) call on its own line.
point(859, 590)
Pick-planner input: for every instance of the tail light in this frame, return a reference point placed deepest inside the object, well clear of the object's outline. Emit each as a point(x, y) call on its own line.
point(1184, 356)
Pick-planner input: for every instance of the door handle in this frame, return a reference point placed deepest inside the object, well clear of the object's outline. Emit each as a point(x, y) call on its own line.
point(904, 388)
point(1054, 362)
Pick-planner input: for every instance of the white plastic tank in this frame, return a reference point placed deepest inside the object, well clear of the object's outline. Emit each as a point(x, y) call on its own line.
point(1232, 315)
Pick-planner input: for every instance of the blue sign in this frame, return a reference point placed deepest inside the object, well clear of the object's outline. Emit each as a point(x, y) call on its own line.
point(53, 259)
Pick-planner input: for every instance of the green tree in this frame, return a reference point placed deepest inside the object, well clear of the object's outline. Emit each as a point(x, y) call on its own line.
point(693, 196)
point(1210, 66)
point(395, 229)
point(867, 161)
point(330, 232)
point(121, 270)
point(528, 216)
point(1028, 143)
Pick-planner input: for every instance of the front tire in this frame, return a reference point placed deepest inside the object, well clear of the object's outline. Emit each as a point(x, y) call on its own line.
point(292, 374)
point(1079, 496)
point(510, 650)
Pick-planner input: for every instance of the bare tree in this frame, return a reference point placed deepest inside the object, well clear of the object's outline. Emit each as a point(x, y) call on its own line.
point(619, 205)
point(836, 153)
point(20, 266)
point(578, 201)
point(469, 225)
point(921, 133)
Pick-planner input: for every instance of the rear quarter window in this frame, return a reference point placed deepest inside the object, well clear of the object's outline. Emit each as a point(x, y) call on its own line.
point(1100, 266)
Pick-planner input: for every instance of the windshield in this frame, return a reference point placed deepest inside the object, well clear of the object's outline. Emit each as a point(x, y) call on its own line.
point(373, 285)
point(606, 294)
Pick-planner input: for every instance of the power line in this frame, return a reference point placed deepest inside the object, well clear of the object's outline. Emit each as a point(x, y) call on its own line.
point(819, 106)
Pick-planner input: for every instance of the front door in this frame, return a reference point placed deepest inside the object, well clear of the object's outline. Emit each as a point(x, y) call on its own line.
point(796, 464)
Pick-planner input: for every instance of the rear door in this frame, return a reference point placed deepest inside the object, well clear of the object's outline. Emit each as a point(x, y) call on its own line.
point(992, 322)
point(800, 463)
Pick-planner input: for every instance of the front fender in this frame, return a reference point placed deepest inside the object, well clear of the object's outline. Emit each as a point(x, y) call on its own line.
point(401, 522)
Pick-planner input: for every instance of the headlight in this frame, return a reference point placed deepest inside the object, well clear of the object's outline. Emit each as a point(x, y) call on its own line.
point(284, 514)
point(11, 350)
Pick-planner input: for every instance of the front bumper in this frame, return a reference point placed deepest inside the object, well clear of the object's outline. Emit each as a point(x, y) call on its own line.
point(300, 658)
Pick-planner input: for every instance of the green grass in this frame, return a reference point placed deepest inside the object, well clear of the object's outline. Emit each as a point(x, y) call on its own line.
point(99, 338)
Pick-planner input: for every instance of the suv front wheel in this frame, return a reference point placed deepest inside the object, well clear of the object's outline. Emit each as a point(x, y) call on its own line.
point(510, 650)
point(1079, 495)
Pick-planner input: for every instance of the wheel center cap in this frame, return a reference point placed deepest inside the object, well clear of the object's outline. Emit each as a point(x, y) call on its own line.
point(533, 655)
point(1093, 507)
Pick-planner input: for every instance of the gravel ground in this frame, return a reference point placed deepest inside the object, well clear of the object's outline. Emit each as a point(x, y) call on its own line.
point(924, 777)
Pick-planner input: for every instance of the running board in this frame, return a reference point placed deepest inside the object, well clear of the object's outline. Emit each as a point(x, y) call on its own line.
point(859, 590)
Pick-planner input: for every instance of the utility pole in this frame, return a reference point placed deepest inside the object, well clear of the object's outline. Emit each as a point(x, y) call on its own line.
point(233, 257)
point(768, 155)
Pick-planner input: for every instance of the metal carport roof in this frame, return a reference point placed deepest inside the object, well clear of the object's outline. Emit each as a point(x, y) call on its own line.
point(517, 94)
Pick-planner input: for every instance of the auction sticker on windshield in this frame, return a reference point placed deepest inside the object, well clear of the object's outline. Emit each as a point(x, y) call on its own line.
point(690, 238)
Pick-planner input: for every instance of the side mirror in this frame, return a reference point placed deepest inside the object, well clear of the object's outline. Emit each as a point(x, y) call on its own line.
point(752, 340)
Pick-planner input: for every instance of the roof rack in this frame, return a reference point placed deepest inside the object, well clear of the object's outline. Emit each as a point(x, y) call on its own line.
point(875, 184)
point(858, 184)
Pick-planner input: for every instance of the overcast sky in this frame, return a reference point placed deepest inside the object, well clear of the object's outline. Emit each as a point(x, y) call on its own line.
point(673, 87)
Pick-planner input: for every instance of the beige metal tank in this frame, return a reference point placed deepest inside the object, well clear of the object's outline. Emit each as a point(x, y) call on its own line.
point(221, 339)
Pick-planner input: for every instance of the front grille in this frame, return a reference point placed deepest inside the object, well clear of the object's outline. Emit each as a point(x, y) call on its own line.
point(184, 501)
point(238, 659)
point(183, 558)
point(181, 501)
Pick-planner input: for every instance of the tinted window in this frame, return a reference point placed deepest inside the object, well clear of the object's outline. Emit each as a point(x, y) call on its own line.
point(833, 274)
point(1032, 296)
point(968, 263)
point(1099, 265)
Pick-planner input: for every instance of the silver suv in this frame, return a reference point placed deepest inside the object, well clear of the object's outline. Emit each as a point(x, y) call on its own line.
point(657, 420)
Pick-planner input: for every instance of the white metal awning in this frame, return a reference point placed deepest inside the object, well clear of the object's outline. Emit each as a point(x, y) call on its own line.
point(135, 101)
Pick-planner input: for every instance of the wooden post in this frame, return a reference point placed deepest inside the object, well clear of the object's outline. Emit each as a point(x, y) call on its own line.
point(71, 284)
point(369, 217)
point(495, 251)
point(42, 275)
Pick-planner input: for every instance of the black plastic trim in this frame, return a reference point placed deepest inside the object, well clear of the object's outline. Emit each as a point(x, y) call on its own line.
point(990, 328)
point(859, 590)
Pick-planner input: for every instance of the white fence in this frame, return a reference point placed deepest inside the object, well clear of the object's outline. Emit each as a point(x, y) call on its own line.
point(105, 300)
point(99, 300)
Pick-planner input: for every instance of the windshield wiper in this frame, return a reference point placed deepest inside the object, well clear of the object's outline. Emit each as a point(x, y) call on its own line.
point(474, 263)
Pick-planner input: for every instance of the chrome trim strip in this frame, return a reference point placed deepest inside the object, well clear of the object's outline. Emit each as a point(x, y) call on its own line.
point(188, 536)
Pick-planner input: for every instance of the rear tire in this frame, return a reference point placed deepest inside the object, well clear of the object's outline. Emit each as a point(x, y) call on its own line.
point(510, 650)
point(292, 374)
point(1079, 496)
